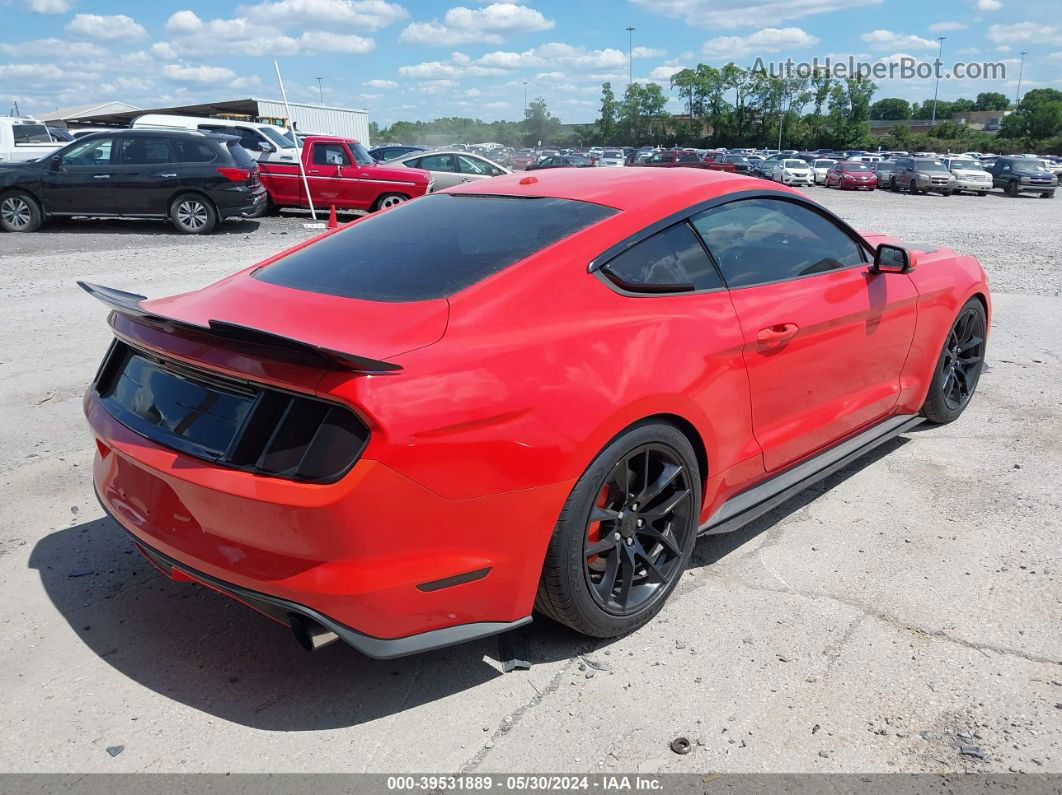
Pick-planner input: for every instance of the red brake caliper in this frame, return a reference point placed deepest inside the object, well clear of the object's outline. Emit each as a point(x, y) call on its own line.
point(593, 533)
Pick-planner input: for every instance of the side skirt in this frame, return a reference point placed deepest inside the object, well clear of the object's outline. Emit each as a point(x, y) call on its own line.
point(752, 503)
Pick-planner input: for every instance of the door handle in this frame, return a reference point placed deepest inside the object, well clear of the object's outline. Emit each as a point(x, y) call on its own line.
point(466, 179)
point(778, 334)
point(167, 175)
point(101, 176)
point(313, 171)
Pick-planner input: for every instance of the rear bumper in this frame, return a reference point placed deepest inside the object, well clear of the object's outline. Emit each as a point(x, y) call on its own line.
point(282, 611)
point(239, 205)
point(375, 556)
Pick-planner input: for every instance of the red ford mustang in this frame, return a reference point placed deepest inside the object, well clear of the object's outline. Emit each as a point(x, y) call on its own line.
point(531, 393)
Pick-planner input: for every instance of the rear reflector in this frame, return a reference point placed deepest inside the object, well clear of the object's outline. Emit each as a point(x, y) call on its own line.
point(234, 174)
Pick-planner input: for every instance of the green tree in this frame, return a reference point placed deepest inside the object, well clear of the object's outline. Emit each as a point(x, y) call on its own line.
point(891, 108)
point(540, 126)
point(1041, 110)
point(991, 100)
point(607, 122)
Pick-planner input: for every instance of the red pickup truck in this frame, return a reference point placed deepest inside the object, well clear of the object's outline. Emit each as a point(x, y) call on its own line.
point(340, 171)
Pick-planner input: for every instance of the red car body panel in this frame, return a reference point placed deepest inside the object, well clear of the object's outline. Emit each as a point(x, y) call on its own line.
point(845, 179)
point(501, 405)
point(350, 187)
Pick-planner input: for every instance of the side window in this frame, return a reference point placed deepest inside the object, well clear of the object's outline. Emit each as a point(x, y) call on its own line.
point(189, 150)
point(139, 151)
point(249, 139)
point(758, 241)
point(657, 158)
point(470, 165)
point(96, 152)
point(437, 163)
point(415, 162)
point(669, 261)
point(330, 155)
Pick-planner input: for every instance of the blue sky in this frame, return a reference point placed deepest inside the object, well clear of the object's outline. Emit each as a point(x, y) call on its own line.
point(413, 59)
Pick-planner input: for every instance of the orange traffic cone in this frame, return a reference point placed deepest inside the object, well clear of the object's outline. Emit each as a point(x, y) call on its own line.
point(332, 218)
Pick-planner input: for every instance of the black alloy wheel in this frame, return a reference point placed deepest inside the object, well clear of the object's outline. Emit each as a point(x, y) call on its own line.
point(625, 533)
point(636, 532)
point(963, 357)
point(959, 366)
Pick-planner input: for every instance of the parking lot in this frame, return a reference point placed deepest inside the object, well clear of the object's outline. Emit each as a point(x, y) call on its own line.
point(903, 615)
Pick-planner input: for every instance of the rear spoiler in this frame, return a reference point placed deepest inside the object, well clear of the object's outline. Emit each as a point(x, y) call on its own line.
point(129, 304)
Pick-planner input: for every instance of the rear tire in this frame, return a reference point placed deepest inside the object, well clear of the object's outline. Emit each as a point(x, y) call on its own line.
point(959, 365)
point(1011, 189)
point(644, 489)
point(19, 212)
point(1047, 195)
point(193, 214)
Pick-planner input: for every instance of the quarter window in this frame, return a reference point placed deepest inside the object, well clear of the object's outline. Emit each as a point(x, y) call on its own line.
point(470, 165)
point(758, 241)
point(669, 261)
point(192, 151)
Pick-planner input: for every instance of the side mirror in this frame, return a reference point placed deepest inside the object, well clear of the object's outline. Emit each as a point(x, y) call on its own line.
point(265, 146)
point(892, 259)
point(57, 163)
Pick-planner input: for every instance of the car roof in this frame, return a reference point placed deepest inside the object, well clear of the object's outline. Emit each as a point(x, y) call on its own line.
point(665, 190)
point(156, 133)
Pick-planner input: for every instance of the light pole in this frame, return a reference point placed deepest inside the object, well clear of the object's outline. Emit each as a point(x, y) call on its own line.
point(630, 54)
point(525, 99)
point(320, 88)
point(1017, 92)
point(936, 86)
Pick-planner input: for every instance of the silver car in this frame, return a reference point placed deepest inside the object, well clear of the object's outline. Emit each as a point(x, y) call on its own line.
point(611, 158)
point(451, 167)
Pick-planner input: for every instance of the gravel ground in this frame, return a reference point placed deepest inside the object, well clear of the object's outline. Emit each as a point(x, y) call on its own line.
point(901, 616)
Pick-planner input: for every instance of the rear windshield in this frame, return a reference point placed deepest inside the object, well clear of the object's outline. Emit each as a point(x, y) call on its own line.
point(432, 247)
point(240, 156)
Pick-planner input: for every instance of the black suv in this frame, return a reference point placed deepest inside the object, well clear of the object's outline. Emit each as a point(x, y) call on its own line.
point(1022, 175)
point(194, 179)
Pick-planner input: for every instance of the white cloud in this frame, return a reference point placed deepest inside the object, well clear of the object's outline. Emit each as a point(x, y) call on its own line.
point(56, 49)
point(578, 63)
point(239, 36)
point(497, 105)
point(664, 73)
point(361, 15)
point(1055, 56)
point(1020, 32)
point(944, 27)
point(762, 41)
point(488, 25)
point(737, 13)
point(887, 40)
point(113, 28)
point(1003, 48)
point(647, 52)
point(49, 6)
point(31, 73)
point(380, 84)
point(204, 75)
point(988, 5)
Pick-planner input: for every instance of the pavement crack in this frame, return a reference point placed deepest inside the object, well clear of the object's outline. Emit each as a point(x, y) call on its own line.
point(881, 615)
point(519, 712)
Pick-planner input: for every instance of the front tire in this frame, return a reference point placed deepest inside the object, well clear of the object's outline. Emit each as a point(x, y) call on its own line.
point(959, 365)
point(19, 212)
point(193, 214)
point(625, 534)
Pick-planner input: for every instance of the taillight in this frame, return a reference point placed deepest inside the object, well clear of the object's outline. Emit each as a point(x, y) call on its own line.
point(234, 174)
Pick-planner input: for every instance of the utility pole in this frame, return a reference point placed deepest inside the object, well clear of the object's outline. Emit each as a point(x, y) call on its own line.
point(630, 54)
point(1017, 92)
point(320, 88)
point(936, 86)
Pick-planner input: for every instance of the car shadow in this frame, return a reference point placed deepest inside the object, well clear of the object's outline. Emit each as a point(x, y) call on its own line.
point(209, 652)
point(137, 226)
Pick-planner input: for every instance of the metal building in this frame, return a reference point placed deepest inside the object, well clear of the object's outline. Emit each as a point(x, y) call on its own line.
point(323, 119)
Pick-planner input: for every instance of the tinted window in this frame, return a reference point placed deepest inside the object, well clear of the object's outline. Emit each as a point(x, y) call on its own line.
point(145, 151)
point(240, 155)
point(96, 152)
point(189, 150)
point(854, 167)
point(664, 262)
point(472, 165)
point(458, 241)
point(690, 157)
point(330, 155)
point(576, 160)
point(757, 241)
point(30, 134)
point(249, 139)
point(437, 163)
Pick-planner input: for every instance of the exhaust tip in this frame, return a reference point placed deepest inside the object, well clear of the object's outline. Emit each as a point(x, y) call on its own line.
point(310, 635)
